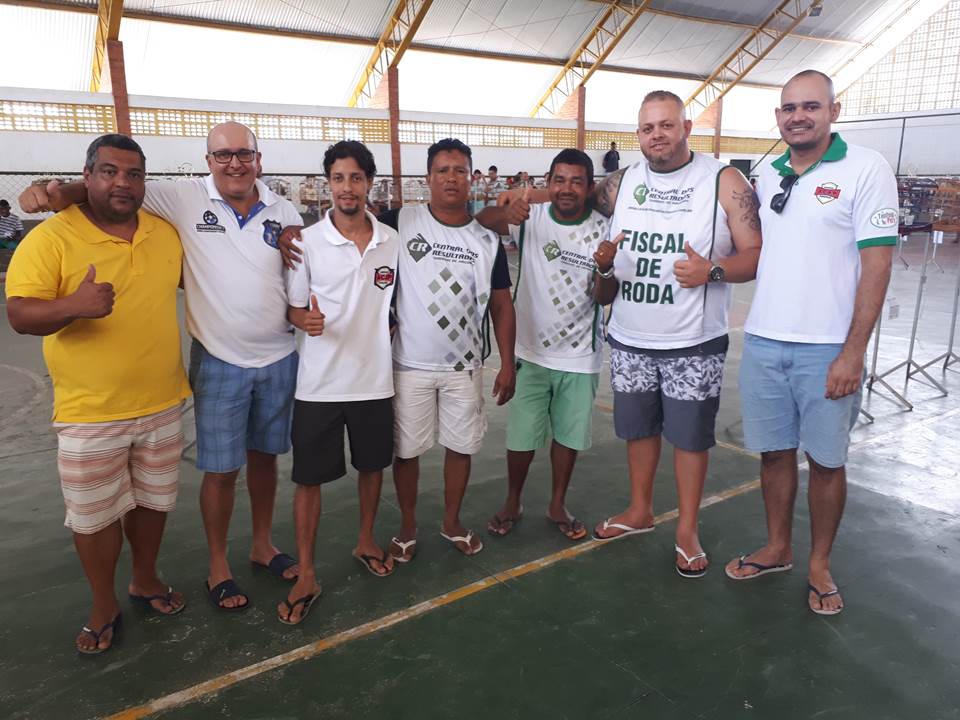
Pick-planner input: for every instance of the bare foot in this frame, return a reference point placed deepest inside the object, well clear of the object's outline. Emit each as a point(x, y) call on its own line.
point(769, 559)
point(690, 543)
point(471, 545)
point(97, 635)
point(302, 595)
point(606, 531)
point(823, 596)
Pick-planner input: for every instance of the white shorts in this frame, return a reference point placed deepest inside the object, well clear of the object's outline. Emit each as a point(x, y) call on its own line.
point(431, 404)
point(109, 468)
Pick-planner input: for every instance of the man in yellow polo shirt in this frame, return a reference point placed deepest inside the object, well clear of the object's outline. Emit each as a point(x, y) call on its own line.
point(99, 282)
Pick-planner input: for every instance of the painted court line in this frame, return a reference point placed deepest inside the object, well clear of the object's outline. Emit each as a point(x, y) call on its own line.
point(305, 652)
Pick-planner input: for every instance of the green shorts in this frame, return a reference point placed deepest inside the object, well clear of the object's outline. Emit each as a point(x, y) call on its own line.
point(554, 399)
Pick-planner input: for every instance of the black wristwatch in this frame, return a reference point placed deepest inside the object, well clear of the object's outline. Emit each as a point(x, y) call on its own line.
point(716, 274)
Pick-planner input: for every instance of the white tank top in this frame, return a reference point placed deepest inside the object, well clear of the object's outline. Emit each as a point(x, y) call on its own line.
point(660, 213)
point(443, 289)
point(557, 317)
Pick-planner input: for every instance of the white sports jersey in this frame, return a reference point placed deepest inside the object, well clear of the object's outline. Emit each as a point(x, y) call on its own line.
point(351, 360)
point(558, 321)
point(443, 290)
point(658, 214)
point(232, 274)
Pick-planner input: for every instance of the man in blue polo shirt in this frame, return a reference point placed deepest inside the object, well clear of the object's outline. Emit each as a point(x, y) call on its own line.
point(829, 217)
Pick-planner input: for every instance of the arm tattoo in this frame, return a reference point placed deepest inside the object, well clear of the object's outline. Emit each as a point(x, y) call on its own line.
point(604, 197)
point(750, 204)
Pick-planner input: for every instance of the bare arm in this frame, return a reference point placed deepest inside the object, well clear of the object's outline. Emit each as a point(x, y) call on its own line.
point(605, 288)
point(33, 316)
point(505, 329)
point(846, 371)
point(603, 199)
point(742, 206)
point(500, 217)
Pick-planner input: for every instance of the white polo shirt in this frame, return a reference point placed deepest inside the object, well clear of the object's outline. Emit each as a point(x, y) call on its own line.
point(352, 359)
point(232, 275)
point(810, 262)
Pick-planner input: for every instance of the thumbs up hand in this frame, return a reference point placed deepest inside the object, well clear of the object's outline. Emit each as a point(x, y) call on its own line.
point(313, 319)
point(519, 209)
point(694, 271)
point(92, 299)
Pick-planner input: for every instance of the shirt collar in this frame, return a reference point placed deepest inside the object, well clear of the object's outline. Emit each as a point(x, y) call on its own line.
point(265, 194)
point(837, 150)
point(334, 237)
point(93, 235)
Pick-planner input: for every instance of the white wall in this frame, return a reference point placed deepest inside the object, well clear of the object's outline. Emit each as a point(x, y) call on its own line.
point(931, 145)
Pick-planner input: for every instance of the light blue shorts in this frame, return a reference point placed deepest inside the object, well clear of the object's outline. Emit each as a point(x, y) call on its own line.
point(782, 387)
point(239, 409)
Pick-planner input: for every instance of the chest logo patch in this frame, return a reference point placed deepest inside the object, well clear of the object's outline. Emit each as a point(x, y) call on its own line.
point(211, 223)
point(383, 277)
point(271, 233)
point(827, 192)
point(551, 250)
point(640, 193)
point(418, 248)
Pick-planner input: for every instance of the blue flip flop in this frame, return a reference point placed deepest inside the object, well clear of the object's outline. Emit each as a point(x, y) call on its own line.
point(307, 602)
point(761, 569)
point(820, 597)
point(228, 588)
point(278, 565)
point(95, 634)
point(146, 602)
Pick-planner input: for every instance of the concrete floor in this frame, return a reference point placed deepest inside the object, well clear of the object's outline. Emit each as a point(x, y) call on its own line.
point(609, 631)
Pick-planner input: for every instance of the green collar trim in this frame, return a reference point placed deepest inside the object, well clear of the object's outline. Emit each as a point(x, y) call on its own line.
point(837, 150)
point(667, 172)
point(579, 221)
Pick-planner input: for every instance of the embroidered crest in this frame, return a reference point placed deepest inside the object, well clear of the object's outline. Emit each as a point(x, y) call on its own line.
point(271, 233)
point(383, 277)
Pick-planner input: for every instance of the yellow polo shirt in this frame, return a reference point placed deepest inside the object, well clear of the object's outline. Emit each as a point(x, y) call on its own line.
point(127, 364)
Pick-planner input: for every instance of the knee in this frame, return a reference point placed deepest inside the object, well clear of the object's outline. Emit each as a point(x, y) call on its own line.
point(778, 458)
point(823, 473)
point(221, 480)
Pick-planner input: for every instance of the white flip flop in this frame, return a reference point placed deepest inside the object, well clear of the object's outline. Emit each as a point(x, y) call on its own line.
point(468, 539)
point(404, 546)
point(685, 572)
point(627, 530)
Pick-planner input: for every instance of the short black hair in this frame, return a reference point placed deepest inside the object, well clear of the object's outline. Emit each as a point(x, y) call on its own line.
point(4, 203)
point(492, 167)
point(113, 140)
point(350, 149)
point(572, 156)
point(448, 145)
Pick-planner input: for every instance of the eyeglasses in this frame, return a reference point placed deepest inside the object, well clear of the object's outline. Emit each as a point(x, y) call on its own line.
point(225, 156)
point(779, 201)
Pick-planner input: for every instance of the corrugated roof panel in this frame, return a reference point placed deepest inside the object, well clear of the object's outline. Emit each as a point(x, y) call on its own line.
point(67, 35)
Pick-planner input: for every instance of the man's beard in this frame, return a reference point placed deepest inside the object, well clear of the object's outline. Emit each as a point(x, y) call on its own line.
point(350, 211)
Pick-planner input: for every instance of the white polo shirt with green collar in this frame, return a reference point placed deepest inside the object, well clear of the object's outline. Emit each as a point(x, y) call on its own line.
point(810, 262)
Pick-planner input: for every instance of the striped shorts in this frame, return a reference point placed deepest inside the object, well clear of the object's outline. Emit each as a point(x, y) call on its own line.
point(109, 468)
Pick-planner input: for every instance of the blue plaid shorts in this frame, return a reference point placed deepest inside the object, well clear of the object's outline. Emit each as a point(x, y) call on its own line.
point(239, 409)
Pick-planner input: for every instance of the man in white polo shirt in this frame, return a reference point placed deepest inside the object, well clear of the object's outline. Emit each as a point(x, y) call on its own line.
point(340, 297)
point(559, 342)
point(243, 362)
point(829, 214)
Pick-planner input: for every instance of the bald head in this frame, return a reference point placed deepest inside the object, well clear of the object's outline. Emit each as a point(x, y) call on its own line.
point(232, 135)
point(810, 79)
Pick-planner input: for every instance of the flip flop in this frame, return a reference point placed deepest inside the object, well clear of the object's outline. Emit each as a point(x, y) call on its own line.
point(761, 569)
point(278, 565)
point(220, 591)
point(367, 562)
point(503, 521)
point(687, 572)
point(820, 597)
point(627, 530)
point(146, 601)
point(307, 602)
point(467, 539)
point(95, 634)
point(572, 525)
point(404, 546)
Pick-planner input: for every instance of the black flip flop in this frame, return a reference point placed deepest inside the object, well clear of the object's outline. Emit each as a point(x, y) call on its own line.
point(278, 564)
point(307, 602)
point(367, 561)
point(146, 602)
point(228, 588)
point(95, 634)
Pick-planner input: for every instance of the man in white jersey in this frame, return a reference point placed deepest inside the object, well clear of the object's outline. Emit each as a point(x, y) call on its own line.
point(559, 344)
point(450, 272)
point(340, 297)
point(830, 216)
point(243, 362)
point(686, 226)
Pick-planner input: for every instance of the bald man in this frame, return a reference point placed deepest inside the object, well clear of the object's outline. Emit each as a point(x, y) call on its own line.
point(243, 362)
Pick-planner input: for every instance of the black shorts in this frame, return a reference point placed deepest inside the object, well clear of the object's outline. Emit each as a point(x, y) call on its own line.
point(318, 438)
